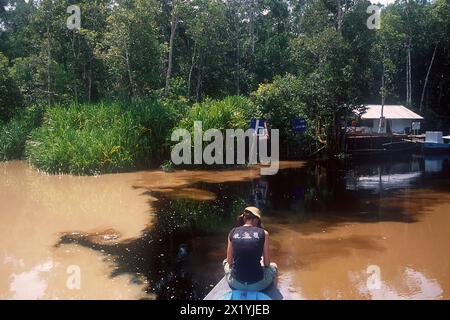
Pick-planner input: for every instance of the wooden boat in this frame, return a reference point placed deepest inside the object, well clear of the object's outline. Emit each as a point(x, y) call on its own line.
point(222, 291)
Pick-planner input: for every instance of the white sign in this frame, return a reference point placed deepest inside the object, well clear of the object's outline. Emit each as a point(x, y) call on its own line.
point(415, 125)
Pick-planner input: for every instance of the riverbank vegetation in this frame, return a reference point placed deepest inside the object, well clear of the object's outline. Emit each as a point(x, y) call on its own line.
point(15, 132)
point(113, 90)
point(103, 137)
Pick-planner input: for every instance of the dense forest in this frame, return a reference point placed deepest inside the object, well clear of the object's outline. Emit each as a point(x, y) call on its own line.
point(155, 64)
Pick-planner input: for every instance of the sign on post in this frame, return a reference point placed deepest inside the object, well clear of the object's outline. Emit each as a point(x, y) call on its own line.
point(299, 125)
point(260, 127)
point(415, 125)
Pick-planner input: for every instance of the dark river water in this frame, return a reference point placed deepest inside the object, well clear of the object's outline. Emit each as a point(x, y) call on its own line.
point(158, 235)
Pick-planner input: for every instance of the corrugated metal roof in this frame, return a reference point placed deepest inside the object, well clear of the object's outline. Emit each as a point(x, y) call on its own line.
point(390, 112)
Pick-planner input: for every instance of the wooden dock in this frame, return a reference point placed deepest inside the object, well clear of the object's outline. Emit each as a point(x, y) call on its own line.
point(382, 143)
point(222, 288)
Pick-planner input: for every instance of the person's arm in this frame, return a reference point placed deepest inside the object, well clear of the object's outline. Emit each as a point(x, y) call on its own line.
point(266, 257)
point(229, 252)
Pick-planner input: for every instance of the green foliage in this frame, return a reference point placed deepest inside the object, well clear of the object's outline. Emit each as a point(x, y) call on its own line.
point(309, 58)
point(15, 132)
point(31, 77)
point(167, 166)
point(155, 118)
point(203, 53)
point(201, 216)
point(233, 112)
point(10, 98)
point(279, 103)
point(132, 49)
point(29, 74)
point(93, 139)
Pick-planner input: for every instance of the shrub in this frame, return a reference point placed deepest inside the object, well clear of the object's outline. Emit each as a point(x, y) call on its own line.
point(232, 112)
point(10, 98)
point(102, 138)
point(14, 133)
point(279, 103)
point(156, 119)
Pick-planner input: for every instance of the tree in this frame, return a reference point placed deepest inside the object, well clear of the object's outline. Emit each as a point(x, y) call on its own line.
point(128, 49)
point(173, 29)
point(437, 27)
point(328, 69)
point(132, 48)
point(385, 53)
point(10, 98)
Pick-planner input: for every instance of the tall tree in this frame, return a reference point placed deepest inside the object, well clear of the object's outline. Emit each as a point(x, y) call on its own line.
point(133, 48)
point(173, 29)
point(10, 98)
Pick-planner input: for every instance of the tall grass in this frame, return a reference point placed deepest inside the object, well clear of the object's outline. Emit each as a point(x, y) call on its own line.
point(102, 138)
point(15, 132)
point(112, 137)
point(233, 112)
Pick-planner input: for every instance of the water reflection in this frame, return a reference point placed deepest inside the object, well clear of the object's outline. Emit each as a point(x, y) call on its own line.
point(36, 208)
point(412, 285)
point(29, 284)
point(437, 163)
point(401, 174)
point(163, 235)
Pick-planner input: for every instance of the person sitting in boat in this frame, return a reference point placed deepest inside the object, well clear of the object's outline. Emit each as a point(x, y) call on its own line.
point(247, 266)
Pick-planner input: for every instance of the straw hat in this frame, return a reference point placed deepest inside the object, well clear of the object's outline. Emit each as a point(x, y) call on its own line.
point(256, 212)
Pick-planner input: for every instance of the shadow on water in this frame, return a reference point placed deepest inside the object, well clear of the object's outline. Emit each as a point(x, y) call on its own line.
point(173, 255)
point(180, 256)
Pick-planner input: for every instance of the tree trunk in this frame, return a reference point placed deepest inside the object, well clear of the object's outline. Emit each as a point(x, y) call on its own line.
point(252, 25)
point(130, 76)
point(199, 83)
point(408, 74)
point(407, 77)
point(339, 15)
point(238, 56)
point(238, 67)
point(426, 78)
point(408, 55)
point(49, 74)
point(191, 69)
point(382, 99)
point(410, 77)
point(173, 29)
point(90, 83)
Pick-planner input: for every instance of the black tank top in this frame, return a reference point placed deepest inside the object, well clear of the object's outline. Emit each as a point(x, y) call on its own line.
point(248, 244)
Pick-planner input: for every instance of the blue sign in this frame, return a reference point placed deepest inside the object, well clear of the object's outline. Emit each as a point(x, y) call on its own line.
point(259, 125)
point(258, 122)
point(299, 125)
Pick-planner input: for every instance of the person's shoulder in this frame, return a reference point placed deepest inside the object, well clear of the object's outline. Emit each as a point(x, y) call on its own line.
point(262, 230)
point(232, 231)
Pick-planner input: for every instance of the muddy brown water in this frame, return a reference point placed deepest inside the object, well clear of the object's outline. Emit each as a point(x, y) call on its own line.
point(158, 235)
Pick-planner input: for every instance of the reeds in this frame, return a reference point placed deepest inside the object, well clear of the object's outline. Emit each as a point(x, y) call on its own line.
point(102, 138)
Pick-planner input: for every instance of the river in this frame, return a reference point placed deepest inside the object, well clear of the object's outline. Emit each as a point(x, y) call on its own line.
point(373, 229)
